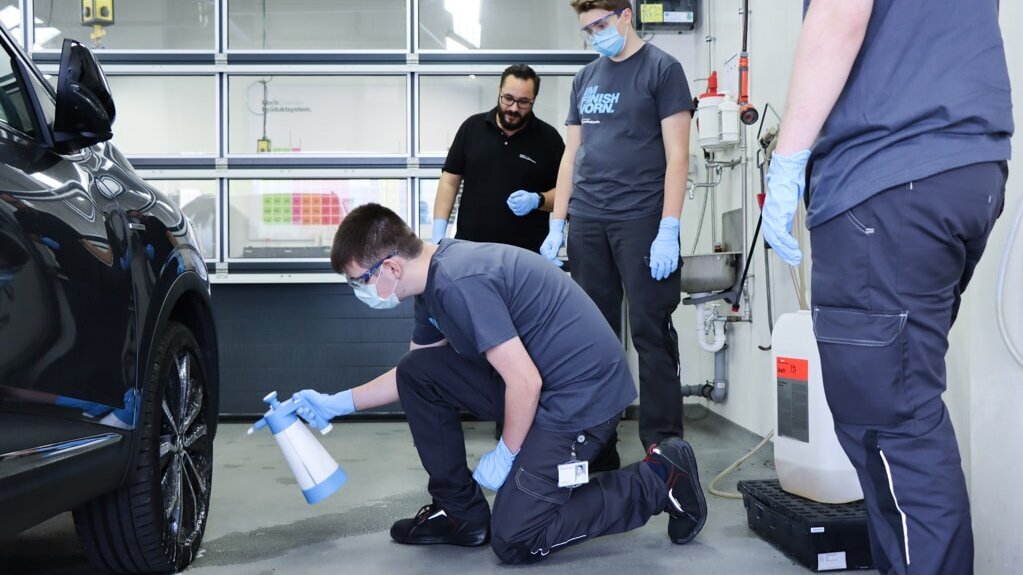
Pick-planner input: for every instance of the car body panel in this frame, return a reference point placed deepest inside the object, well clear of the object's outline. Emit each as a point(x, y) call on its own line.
point(94, 264)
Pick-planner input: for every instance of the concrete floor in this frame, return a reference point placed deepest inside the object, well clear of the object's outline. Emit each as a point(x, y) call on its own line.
point(261, 525)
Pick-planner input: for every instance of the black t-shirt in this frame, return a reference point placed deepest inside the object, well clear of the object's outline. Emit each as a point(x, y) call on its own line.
point(479, 296)
point(493, 166)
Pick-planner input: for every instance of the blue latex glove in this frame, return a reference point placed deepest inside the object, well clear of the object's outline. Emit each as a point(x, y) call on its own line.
point(494, 467)
point(551, 245)
point(440, 228)
point(319, 408)
point(522, 202)
point(664, 250)
point(786, 179)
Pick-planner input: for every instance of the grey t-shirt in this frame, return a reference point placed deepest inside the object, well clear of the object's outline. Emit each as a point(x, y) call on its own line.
point(928, 92)
point(619, 168)
point(480, 295)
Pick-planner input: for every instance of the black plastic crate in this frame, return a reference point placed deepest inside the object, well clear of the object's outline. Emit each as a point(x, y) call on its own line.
point(821, 536)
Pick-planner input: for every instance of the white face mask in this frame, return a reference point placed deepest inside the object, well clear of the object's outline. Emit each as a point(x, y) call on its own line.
point(608, 42)
point(367, 294)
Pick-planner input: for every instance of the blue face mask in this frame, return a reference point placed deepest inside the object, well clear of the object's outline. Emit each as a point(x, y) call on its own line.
point(608, 42)
point(367, 294)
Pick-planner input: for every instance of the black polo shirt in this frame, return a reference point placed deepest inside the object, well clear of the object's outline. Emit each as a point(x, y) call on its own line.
point(493, 166)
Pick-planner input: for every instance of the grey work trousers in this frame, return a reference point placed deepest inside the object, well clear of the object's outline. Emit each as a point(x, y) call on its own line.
point(887, 279)
point(607, 261)
point(532, 516)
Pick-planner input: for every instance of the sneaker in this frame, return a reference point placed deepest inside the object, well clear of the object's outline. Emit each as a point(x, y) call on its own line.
point(433, 526)
point(607, 459)
point(686, 503)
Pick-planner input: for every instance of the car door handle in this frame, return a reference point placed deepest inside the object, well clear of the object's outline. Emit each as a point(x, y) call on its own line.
point(137, 226)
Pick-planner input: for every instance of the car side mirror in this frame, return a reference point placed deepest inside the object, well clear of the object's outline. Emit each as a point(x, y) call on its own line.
point(85, 109)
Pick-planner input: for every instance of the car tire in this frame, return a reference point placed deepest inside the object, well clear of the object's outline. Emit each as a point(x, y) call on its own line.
point(155, 522)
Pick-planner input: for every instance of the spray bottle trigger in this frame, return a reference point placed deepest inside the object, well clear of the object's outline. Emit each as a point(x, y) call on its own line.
point(310, 416)
point(314, 420)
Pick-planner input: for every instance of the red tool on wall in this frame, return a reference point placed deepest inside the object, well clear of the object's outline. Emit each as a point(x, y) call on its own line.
point(747, 113)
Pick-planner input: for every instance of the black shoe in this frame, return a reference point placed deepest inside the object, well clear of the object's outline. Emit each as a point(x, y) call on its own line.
point(433, 526)
point(607, 459)
point(686, 503)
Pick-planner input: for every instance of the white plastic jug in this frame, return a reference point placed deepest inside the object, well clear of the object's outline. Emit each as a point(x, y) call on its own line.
point(708, 117)
point(807, 456)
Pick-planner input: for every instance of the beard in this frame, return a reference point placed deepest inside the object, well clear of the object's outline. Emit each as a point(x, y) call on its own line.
point(513, 120)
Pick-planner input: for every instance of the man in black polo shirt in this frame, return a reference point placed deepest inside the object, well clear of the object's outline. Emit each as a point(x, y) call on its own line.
point(508, 160)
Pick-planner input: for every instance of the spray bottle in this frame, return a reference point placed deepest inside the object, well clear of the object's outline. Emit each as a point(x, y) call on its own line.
point(317, 473)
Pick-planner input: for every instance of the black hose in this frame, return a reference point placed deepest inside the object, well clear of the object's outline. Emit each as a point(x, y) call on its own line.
point(745, 268)
point(745, 23)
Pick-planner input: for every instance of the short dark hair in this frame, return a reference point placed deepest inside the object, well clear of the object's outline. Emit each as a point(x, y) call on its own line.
point(581, 6)
point(522, 72)
point(370, 232)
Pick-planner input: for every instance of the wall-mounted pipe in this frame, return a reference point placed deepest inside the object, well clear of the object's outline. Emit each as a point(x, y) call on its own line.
point(717, 389)
point(708, 324)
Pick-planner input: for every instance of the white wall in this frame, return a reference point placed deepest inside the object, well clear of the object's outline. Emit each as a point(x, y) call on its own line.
point(994, 382)
point(771, 47)
point(985, 385)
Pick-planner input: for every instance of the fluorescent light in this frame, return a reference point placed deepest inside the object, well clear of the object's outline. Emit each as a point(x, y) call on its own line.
point(10, 17)
point(453, 45)
point(465, 16)
point(45, 34)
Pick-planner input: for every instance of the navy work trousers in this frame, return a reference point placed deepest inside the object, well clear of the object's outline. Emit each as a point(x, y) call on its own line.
point(607, 257)
point(887, 279)
point(532, 516)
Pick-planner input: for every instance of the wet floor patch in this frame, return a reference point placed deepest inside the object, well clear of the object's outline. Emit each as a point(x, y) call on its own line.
point(277, 540)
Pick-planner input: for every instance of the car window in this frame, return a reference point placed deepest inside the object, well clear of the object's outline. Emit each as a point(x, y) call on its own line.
point(15, 110)
point(45, 98)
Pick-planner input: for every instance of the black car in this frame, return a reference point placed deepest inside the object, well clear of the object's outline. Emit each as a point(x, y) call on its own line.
point(108, 352)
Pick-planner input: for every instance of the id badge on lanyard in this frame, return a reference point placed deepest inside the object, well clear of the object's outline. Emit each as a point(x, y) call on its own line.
point(573, 472)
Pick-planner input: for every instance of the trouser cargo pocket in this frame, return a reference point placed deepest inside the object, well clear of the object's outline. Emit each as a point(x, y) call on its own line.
point(863, 357)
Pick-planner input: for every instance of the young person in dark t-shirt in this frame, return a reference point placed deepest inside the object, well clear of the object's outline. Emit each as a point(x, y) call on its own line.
point(622, 181)
point(506, 161)
point(902, 111)
point(501, 333)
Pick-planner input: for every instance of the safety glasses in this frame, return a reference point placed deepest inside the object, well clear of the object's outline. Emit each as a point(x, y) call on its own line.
point(372, 271)
point(599, 24)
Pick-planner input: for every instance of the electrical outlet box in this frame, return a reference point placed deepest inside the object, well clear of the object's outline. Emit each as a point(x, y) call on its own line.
point(666, 15)
point(99, 12)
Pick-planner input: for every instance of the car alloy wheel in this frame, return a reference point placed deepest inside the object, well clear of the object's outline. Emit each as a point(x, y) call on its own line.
point(185, 452)
point(155, 522)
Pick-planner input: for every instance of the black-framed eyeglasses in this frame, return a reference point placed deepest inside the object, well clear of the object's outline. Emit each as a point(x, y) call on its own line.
point(372, 271)
point(599, 24)
point(524, 103)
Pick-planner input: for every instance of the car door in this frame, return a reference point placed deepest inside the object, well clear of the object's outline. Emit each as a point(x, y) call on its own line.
point(67, 312)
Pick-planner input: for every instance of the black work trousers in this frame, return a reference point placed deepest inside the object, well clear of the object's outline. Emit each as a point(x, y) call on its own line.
point(532, 516)
point(607, 259)
point(887, 279)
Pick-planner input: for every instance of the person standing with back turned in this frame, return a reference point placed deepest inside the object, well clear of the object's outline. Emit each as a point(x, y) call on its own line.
point(508, 160)
point(901, 109)
point(623, 180)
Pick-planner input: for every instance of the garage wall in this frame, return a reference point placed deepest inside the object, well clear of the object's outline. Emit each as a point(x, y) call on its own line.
point(298, 336)
point(985, 384)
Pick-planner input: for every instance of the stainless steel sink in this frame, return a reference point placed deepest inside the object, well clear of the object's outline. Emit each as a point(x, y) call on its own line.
point(705, 273)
